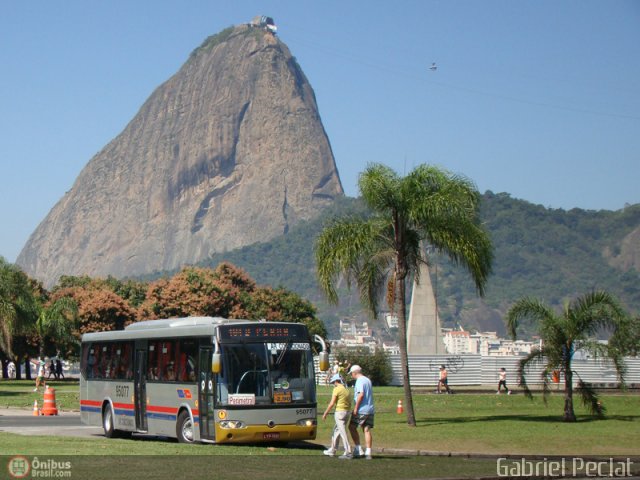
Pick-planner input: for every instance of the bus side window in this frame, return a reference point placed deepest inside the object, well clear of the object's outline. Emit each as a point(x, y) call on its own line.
point(91, 361)
point(186, 350)
point(182, 369)
point(152, 362)
point(170, 374)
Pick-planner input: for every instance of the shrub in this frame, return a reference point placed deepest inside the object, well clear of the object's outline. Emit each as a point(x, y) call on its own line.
point(374, 365)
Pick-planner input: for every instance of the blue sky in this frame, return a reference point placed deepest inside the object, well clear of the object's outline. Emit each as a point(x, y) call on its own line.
point(538, 99)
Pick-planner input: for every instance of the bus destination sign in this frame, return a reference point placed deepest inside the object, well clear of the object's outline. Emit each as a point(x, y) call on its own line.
point(263, 332)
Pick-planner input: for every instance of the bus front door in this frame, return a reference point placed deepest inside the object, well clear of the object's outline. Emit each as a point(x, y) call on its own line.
point(206, 390)
point(140, 389)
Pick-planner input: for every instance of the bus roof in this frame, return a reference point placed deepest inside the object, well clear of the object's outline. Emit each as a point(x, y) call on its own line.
point(172, 327)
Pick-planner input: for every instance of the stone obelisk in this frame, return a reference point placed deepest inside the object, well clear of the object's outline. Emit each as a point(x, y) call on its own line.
point(424, 336)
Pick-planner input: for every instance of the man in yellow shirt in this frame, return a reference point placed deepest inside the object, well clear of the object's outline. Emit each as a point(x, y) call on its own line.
point(341, 398)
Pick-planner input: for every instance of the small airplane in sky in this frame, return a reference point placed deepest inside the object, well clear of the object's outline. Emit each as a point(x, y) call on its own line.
point(433, 67)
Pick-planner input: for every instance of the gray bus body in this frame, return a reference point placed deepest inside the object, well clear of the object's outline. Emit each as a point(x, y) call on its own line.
point(156, 377)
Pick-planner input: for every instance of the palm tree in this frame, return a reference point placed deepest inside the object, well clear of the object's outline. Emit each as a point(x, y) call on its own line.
point(428, 205)
point(564, 334)
point(56, 320)
point(17, 304)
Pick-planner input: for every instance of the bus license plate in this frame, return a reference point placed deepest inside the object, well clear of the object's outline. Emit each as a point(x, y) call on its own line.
point(271, 436)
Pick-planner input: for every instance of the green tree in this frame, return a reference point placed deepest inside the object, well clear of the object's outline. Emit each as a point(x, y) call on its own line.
point(280, 305)
point(429, 205)
point(57, 320)
point(99, 308)
point(17, 304)
point(563, 334)
point(198, 291)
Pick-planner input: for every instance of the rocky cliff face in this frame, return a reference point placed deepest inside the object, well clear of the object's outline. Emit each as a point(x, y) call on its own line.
point(229, 151)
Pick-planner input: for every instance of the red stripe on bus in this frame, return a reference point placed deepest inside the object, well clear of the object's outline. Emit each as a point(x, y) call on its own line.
point(131, 406)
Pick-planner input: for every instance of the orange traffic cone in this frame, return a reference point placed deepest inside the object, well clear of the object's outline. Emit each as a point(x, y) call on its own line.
point(400, 409)
point(49, 407)
point(35, 408)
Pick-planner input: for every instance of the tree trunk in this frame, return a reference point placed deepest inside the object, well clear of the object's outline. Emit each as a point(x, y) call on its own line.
point(27, 369)
point(5, 369)
point(569, 414)
point(18, 364)
point(404, 357)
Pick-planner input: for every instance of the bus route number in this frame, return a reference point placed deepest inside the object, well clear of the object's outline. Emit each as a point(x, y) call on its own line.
point(122, 391)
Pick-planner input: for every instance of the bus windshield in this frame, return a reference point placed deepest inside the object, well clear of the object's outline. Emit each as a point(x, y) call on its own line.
point(266, 374)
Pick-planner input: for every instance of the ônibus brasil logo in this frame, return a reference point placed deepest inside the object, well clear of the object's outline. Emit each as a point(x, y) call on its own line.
point(19, 466)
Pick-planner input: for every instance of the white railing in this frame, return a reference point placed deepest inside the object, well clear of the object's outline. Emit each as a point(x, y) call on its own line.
point(483, 370)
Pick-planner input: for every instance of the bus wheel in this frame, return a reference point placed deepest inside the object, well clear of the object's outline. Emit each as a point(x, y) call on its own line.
point(107, 422)
point(184, 428)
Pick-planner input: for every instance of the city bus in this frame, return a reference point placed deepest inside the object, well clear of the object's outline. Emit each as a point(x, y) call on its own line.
point(202, 379)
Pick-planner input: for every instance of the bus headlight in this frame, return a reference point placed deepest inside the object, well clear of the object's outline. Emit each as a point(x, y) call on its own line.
point(307, 422)
point(232, 424)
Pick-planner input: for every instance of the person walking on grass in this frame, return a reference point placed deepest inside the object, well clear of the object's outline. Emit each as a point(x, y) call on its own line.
point(341, 399)
point(40, 374)
point(59, 372)
point(502, 381)
point(363, 412)
point(335, 370)
point(52, 370)
point(443, 382)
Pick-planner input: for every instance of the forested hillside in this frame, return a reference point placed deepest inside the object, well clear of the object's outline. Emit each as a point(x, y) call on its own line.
point(552, 254)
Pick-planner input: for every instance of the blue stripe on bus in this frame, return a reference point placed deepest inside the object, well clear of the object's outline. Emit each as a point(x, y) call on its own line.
point(161, 416)
point(90, 409)
point(129, 413)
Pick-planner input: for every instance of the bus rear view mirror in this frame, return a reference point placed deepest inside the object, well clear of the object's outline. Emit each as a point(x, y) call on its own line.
point(216, 363)
point(323, 361)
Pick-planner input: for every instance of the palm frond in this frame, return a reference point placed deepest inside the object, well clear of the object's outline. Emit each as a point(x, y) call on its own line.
point(528, 308)
point(617, 357)
point(590, 398)
point(468, 245)
point(379, 188)
point(338, 250)
point(371, 281)
point(533, 358)
point(594, 310)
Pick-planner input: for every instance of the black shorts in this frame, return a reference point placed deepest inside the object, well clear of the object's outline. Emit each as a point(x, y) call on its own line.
point(362, 420)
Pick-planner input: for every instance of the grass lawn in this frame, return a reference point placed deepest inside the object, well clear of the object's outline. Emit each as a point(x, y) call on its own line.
point(20, 394)
point(466, 423)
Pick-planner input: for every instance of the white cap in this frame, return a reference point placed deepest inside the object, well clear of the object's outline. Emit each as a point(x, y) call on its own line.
point(355, 368)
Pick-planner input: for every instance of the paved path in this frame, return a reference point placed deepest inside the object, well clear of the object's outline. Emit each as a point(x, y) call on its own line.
point(14, 420)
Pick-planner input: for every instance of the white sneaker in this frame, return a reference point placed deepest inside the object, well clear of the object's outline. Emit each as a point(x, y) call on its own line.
point(509, 392)
point(329, 453)
point(35, 389)
point(498, 392)
point(346, 456)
